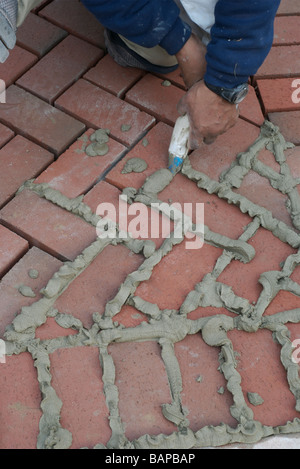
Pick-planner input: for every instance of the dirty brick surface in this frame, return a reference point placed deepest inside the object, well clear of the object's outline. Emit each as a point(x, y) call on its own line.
point(151, 342)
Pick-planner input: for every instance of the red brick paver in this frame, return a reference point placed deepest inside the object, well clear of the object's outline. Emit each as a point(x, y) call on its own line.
point(39, 36)
point(77, 373)
point(289, 123)
point(61, 67)
point(20, 160)
point(200, 381)
point(287, 30)
point(74, 173)
point(246, 281)
point(152, 95)
point(39, 121)
point(153, 149)
point(170, 290)
point(20, 405)
point(112, 77)
point(12, 247)
point(75, 19)
point(6, 134)
point(215, 158)
point(98, 108)
point(11, 299)
point(150, 392)
point(47, 225)
point(117, 262)
point(279, 94)
point(18, 62)
point(267, 365)
point(281, 62)
point(289, 7)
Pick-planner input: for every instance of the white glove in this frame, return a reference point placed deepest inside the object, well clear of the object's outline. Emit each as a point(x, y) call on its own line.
point(8, 20)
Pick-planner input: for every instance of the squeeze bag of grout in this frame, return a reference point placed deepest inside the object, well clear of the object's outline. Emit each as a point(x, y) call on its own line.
point(178, 148)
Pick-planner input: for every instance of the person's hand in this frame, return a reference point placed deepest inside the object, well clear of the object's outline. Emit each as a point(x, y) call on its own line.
point(7, 36)
point(191, 60)
point(209, 114)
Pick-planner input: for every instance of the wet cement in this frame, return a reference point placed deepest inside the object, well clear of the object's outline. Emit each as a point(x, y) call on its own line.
point(168, 327)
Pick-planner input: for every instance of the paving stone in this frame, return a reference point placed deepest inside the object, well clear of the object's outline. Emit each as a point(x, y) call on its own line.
point(48, 226)
point(201, 381)
point(74, 173)
point(216, 158)
point(12, 247)
point(91, 290)
point(286, 30)
point(76, 373)
point(99, 109)
point(112, 77)
point(177, 274)
point(244, 278)
point(76, 19)
point(61, 67)
point(38, 35)
point(140, 405)
point(151, 96)
point(258, 362)
point(20, 404)
point(282, 61)
point(11, 299)
point(6, 134)
point(102, 193)
point(20, 160)
point(18, 62)
point(289, 7)
point(37, 120)
point(153, 149)
point(289, 124)
point(281, 94)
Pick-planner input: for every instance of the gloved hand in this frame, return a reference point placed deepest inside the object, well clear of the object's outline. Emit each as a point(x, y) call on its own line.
point(8, 20)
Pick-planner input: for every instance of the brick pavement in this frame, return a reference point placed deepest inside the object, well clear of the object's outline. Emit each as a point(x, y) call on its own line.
point(108, 346)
